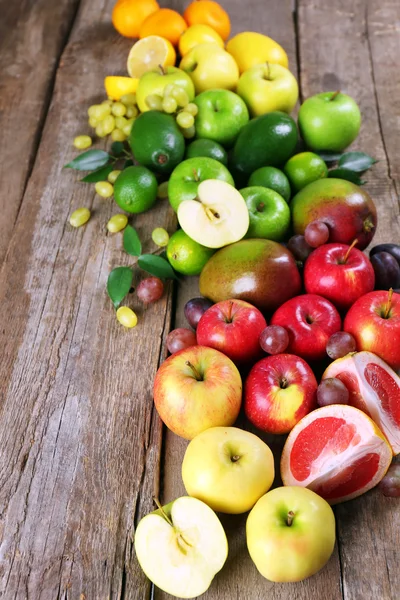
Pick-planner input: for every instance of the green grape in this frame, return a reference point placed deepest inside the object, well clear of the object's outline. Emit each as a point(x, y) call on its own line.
point(189, 132)
point(117, 223)
point(118, 109)
point(180, 96)
point(79, 217)
point(103, 111)
point(118, 135)
point(154, 102)
point(185, 119)
point(120, 122)
point(169, 90)
point(169, 105)
point(162, 191)
point(127, 128)
point(104, 189)
point(128, 99)
point(127, 317)
point(192, 108)
point(132, 111)
point(100, 131)
point(93, 122)
point(160, 237)
point(108, 124)
point(113, 176)
point(81, 142)
point(92, 111)
point(109, 102)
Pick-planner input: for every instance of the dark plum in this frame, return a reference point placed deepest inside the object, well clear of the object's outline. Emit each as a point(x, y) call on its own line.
point(299, 247)
point(393, 249)
point(387, 270)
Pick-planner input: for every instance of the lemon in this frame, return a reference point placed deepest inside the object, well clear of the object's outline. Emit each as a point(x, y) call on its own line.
point(250, 49)
point(150, 52)
point(198, 34)
point(117, 86)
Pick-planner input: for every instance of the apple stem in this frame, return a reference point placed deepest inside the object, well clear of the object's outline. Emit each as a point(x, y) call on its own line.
point(196, 373)
point(162, 70)
point(389, 304)
point(268, 77)
point(164, 514)
point(334, 95)
point(196, 177)
point(290, 517)
point(229, 316)
point(346, 256)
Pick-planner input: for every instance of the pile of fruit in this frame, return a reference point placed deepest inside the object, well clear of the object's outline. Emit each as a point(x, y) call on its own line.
point(275, 223)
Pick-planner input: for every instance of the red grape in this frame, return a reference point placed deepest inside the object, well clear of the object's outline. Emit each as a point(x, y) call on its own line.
point(194, 310)
point(150, 289)
point(340, 344)
point(390, 484)
point(274, 339)
point(316, 234)
point(179, 339)
point(332, 391)
point(299, 247)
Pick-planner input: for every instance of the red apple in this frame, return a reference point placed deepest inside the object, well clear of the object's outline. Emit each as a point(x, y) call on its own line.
point(310, 321)
point(232, 327)
point(280, 390)
point(340, 273)
point(374, 321)
point(197, 388)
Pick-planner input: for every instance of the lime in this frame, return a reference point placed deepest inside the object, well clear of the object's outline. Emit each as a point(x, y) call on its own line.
point(185, 255)
point(304, 168)
point(209, 149)
point(271, 178)
point(135, 190)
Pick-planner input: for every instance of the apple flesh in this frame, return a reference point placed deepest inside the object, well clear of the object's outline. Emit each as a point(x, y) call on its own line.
point(232, 327)
point(154, 82)
point(221, 116)
point(218, 216)
point(280, 390)
point(210, 67)
point(290, 534)
point(181, 547)
point(228, 468)
point(195, 389)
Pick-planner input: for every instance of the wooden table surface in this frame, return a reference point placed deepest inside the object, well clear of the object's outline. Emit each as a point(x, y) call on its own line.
point(82, 451)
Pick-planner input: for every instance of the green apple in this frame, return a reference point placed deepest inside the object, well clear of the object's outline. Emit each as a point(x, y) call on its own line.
point(187, 176)
point(181, 547)
point(210, 67)
point(218, 216)
point(221, 116)
point(269, 213)
point(268, 87)
point(228, 468)
point(290, 534)
point(329, 121)
point(154, 82)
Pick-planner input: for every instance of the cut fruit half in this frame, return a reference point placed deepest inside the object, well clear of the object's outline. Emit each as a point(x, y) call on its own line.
point(374, 388)
point(337, 451)
point(148, 54)
point(181, 547)
point(117, 86)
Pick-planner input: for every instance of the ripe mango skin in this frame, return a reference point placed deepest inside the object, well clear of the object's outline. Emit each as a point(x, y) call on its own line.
point(259, 271)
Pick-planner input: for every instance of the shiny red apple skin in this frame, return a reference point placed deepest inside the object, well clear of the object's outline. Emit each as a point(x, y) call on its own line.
point(341, 281)
point(279, 391)
point(372, 331)
point(310, 321)
point(232, 327)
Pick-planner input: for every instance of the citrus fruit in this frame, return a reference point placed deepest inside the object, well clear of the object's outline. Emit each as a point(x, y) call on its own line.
point(185, 255)
point(304, 168)
point(250, 49)
point(272, 178)
point(117, 86)
point(373, 388)
point(198, 34)
point(135, 189)
point(166, 23)
point(337, 451)
point(207, 148)
point(208, 12)
point(128, 15)
point(150, 52)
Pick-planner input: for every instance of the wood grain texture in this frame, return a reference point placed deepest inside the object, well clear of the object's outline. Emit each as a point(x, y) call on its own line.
point(352, 57)
point(32, 36)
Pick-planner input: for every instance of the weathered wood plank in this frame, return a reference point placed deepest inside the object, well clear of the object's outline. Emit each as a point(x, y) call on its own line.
point(79, 439)
point(239, 579)
point(338, 56)
point(32, 36)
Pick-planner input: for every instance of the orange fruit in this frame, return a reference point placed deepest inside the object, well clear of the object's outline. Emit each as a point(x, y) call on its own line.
point(374, 388)
point(128, 15)
point(166, 23)
point(208, 12)
point(336, 451)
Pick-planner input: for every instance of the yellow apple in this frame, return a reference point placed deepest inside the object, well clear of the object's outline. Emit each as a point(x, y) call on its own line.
point(228, 468)
point(290, 534)
point(210, 67)
point(268, 87)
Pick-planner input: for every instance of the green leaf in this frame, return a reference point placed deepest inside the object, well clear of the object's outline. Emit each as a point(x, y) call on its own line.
point(330, 157)
point(132, 243)
point(88, 161)
point(119, 283)
point(347, 174)
point(98, 175)
point(356, 161)
point(117, 148)
point(157, 266)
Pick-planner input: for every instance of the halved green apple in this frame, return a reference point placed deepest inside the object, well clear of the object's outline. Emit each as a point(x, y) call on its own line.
point(181, 547)
point(218, 216)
